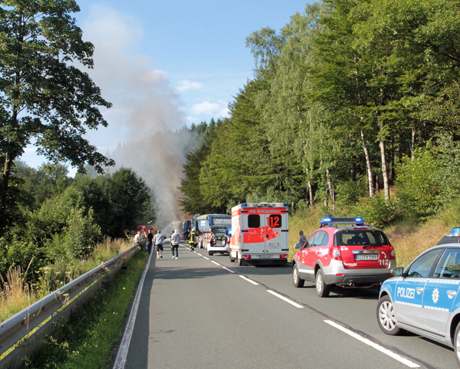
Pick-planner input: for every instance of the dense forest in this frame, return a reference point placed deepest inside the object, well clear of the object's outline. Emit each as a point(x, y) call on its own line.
point(353, 104)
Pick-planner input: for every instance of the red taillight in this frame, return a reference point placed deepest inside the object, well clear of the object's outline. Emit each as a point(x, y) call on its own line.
point(336, 253)
point(247, 257)
point(283, 256)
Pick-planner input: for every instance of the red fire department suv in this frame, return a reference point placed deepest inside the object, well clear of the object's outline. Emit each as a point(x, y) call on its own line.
point(344, 252)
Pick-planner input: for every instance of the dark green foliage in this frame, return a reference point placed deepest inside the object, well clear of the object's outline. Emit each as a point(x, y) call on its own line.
point(377, 211)
point(430, 181)
point(45, 97)
point(37, 185)
point(343, 97)
point(420, 185)
point(192, 199)
point(129, 201)
point(66, 227)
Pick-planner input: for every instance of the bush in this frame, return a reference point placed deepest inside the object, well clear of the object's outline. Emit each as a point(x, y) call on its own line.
point(419, 185)
point(77, 240)
point(15, 251)
point(451, 215)
point(376, 211)
point(349, 192)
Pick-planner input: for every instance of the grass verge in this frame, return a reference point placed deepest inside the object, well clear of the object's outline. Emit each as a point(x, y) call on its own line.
point(88, 339)
point(16, 294)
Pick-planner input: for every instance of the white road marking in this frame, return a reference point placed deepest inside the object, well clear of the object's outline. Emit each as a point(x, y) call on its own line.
point(228, 270)
point(374, 345)
point(122, 354)
point(206, 258)
point(285, 299)
point(248, 280)
point(215, 262)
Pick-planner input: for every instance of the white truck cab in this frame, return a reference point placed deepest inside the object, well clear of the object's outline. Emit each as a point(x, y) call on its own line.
point(259, 233)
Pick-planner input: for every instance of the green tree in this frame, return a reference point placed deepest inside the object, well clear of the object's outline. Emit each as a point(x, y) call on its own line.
point(420, 185)
point(45, 98)
point(192, 200)
point(131, 202)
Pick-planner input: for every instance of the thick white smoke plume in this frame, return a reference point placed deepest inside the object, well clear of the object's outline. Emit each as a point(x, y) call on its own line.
point(145, 121)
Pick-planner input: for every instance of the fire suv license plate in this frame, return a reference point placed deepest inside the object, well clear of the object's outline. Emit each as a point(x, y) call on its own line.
point(266, 256)
point(367, 257)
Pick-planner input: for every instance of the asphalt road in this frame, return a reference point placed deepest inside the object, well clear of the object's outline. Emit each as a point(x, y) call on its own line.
point(203, 312)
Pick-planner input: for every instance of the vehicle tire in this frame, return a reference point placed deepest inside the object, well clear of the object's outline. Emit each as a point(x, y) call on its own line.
point(456, 343)
point(322, 289)
point(386, 317)
point(210, 253)
point(298, 282)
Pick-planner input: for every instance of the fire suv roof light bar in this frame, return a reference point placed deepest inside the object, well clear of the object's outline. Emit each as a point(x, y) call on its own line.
point(455, 232)
point(331, 221)
point(264, 204)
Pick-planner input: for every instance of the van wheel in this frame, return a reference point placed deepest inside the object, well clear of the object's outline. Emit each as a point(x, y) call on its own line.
point(298, 282)
point(387, 319)
point(210, 253)
point(322, 289)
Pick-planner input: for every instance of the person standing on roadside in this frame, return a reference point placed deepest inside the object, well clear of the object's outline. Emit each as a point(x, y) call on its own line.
point(139, 239)
point(175, 240)
point(149, 241)
point(302, 241)
point(158, 239)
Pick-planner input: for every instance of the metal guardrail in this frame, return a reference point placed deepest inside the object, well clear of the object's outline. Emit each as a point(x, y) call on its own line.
point(20, 334)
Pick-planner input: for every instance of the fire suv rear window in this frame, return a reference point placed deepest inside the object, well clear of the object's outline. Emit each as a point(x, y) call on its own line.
point(361, 238)
point(253, 221)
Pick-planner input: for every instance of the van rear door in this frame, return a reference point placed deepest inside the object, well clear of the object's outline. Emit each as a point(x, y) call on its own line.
point(273, 229)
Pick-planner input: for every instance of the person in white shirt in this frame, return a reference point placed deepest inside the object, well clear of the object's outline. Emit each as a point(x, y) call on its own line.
point(158, 239)
point(175, 240)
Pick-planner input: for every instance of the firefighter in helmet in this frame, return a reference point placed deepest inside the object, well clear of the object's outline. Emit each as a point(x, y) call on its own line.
point(193, 239)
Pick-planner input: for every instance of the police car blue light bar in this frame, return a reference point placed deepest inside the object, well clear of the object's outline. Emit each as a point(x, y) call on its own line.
point(455, 232)
point(330, 221)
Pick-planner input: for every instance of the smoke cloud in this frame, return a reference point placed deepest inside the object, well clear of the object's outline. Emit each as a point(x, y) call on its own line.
point(145, 130)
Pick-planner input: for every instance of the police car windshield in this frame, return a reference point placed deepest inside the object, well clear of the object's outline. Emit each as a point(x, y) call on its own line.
point(356, 237)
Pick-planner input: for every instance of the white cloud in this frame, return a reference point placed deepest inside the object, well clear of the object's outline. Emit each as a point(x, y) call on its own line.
point(188, 85)
point(210, 109)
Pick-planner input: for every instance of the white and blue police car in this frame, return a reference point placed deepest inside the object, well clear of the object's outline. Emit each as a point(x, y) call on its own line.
point(424, 298)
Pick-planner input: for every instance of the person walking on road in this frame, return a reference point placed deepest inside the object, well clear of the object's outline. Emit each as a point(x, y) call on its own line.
point(192, 241)
point(175, 239)
point(149, 241)
point(158, 239)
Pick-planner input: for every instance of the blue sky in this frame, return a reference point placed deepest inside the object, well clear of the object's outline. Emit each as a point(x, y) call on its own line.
point(193, 51)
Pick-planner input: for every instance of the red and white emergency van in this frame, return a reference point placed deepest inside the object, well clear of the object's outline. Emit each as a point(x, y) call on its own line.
point(259, 232)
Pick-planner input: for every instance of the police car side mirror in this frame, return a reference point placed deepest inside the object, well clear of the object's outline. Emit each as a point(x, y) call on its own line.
point(398, 272)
